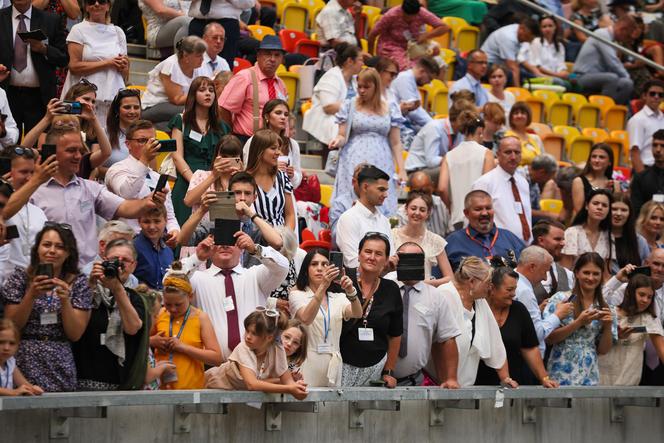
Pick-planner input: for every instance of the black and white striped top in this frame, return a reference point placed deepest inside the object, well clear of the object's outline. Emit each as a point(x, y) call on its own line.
point(271, 205)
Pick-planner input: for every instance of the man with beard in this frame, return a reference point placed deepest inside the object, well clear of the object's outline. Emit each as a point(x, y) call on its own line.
point(481, 238)
point(550, 235)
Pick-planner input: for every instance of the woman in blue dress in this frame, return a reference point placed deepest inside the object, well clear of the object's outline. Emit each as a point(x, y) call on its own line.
point(373, 138)
point(589, 329)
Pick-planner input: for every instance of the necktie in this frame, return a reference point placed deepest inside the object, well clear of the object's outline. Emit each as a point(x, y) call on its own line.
point(20, 47)
point(403, 349)
point(554, 280)
point(271, 91)
point(231, 316)
point(205, 6)
point(214, 65)
point(525, 229)
point(652, 360)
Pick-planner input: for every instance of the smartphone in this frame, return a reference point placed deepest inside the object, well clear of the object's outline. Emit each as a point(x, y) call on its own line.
point(168, 145)
point(5, 165)
point(224, 231)
point(237, 161)
point(410, 266)
point(45, 269)
point(284, 159)
point(337, 259)
point(47, 151)
point(161, 183)
point(72, 107)
point(639, 329)
point(224, 207)
point(645, 270)
point(11, 232)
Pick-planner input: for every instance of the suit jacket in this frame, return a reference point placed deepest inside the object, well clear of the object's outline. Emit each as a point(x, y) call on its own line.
point(56, 49)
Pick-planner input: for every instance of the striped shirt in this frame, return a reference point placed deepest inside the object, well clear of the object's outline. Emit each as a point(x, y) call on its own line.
point(271, 205)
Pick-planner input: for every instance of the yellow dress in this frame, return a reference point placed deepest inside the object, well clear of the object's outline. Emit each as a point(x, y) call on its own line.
point(530, 148)
point(191, 372)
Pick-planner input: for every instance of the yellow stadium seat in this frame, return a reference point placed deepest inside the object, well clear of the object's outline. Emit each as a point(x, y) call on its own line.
point(554, 144)
point(259, 32)
point(326, 194)
point(520, 94)
point(613, 116)
point(161, 135)
point(365, 44)
point(372, 12)
point(281, 4)
point(455, 23)
point(449, 57)
point(623, 137)
point(537, 108)
point(392, 3)
point(439, 102)
point(597, 134)
point(439, 116)
point(305, 107)
point(313, 13)
point(281, 68)
point(560, 113)
point(294, 16)
point(467, 38)
point(291, 80)
point(577, 146)
point(444, 41)
point(138, 88)
point(586, 115)
point(373, 20)
point(549, 97)
point(551, 205)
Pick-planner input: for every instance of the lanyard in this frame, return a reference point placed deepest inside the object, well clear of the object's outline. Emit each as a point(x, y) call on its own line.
point(7, 375)
point(170, 328)
point(326, 321)
point(488, 250)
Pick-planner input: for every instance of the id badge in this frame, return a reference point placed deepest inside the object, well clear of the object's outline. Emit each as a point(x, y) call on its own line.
point(324, 348)
point(102, 339)
point(195, 136)
point(48, 318)
point(365, 334)
point(518, 208)
point(228, 304)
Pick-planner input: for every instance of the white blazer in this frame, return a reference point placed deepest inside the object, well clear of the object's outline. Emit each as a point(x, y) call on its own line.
point(331, 88)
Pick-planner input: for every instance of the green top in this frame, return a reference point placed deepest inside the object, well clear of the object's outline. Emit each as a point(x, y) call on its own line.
point(198, 153)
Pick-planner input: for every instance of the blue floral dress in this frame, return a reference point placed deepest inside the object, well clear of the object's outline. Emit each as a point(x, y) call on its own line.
point(368, 143)
point(573, 362)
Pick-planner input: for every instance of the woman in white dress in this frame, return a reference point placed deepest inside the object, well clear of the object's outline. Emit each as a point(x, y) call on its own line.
point(98, 52)
point(497, 94)
point(463, 165)
point(322, 312)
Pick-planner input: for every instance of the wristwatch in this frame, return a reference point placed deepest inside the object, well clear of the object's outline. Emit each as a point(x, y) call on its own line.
point(258, 251)
point(385, 372)
point(253, 217)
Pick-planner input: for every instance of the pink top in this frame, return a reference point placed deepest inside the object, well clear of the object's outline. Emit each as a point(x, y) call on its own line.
point(196, 179)
point(394, 33)
point(238, 94)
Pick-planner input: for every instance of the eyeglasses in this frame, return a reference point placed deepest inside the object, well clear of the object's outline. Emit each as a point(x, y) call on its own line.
point(52, 224)
point(140, 141)
point(393, 74)
point(656, 94)
point(85, 81)
point(24, 152)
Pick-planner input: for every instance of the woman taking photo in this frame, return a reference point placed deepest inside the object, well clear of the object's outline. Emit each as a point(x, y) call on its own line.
point(494, 125)
point(373, 137)
point(98, 53)
point(518, 334)
point(650, 224)
point(370, 344)
point(418, 210)
point(464, 164)
point(591, 231)
point(587, 332)
point(196, 132)
point(50, 303)
point(631, 248)
point(335, 86)
point(169, 81)
point(497, 94)
point(322, 309)
point(597, 174)
point(274, 202)
point(125, 109)
point(480, 336)
point(637, 321)
point(519, 119)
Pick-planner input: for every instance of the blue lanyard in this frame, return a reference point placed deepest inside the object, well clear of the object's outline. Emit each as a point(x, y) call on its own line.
point(326, 321)
point(8, 380)
point(170, 328)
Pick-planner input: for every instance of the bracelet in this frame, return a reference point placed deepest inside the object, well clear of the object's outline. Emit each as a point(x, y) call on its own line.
point(253, 217)
point(352, 297)
point(546, 378)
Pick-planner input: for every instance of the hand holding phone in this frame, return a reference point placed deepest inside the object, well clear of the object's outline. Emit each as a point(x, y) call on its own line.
point(46, 152)
point(161, 183)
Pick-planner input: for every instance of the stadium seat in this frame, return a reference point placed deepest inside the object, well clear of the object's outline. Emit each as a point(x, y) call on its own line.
point(537, 108)
point(373, 20)
point(551, 205)
point(554, 144)
point(455, 23)
point(586, 115)
point(467, 38)
point(259, 32)
point(326, 194)
point(560, 113)
point(313, 8)
point(305, 107)
point(439, 102)
point(289, 37)
point(372, 12)
point(450, 58)
point(294, 16)
point(577, 146)
point(623, 137)
point(598, 135)
point(520, 94)
point(444, 41)
point(614, 116)
point(141, 88)
point(307, 47)
point(392, 3)
point(428, 91)
point(239, 64)
point(281, 4)
point(291, 80)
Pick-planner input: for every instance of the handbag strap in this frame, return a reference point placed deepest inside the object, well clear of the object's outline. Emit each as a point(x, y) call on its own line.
point(254, 87)
point(349, 120)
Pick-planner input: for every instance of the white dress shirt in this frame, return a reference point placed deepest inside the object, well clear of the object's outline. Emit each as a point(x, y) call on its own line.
point(252, 287)
point(353, 225)
point(131, 179)
point(497, 183)
point(431, 144)
point(29, 220)
point(641, 127)
point(546, 284)
point(405, 89)
point(221, 9)
point(11, 137)
point(543, 327)
point(28, 77)
point(207, 70)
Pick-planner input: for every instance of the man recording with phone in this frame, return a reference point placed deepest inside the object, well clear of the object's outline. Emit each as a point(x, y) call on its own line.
point(111, 354)
point(133, 177)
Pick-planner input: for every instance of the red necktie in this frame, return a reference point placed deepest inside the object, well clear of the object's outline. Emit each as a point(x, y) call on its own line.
point(231, 316)
point(525, 229)
point(271, 91)
point(20, 47)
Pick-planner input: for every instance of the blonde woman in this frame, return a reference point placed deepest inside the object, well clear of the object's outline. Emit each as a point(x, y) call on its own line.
point(650, 223)
point(368, 133)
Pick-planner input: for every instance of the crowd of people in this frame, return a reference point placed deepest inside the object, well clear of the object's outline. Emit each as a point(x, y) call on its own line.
point(123, 268)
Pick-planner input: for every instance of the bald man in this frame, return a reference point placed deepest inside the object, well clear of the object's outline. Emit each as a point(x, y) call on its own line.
point(439, 220)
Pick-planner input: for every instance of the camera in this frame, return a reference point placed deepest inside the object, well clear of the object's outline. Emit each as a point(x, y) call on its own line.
point(111, 268)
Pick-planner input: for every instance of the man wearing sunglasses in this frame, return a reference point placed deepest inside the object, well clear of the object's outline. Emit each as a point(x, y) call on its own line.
point(644, 124)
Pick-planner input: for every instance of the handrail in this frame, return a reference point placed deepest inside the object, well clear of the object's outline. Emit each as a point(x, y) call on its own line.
point(591, 34)
point(209, 396)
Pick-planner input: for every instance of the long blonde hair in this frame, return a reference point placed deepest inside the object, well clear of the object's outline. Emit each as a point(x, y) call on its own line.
point(376, 102)
point(646, 212)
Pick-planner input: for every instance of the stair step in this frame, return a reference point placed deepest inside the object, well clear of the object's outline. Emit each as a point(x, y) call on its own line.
point(136, 50)
point(311, 161)
point(138, 78)
point(142, 65)
point(323, 178)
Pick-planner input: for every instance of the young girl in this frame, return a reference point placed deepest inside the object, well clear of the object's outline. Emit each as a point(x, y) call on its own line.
point(294, 339)
point(258, 358)
point(637, 321)
point(12, 381)
point(154, 372)
point(183, 335)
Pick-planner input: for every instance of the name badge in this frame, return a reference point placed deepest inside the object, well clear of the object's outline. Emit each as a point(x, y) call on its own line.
point(228, 304)
point(324, 348)
point(195, 136)
point(365, 334)
point(518, 208)
point(102, 339)
point(48, 318)
point(658, 198)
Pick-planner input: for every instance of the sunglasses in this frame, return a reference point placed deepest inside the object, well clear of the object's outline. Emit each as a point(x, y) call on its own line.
point(376, 234)
point(24, 152)
point(656, 94)
point(128, 92)
point(267, 312)
point(85, 81)
point(101, 2)
point(52, 224)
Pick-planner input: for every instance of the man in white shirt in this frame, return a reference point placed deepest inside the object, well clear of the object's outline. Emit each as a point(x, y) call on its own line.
point(472, 81)
point(215, 36)
point(226, 291)
point(132, 178)
point(406, 94)
point(8, 129)
point(427, 324)
point(502, 45)
point(364, 215)
point(509, 191)
point(644, 124)
point(550, 235)
point(335, 24)
point(534, 263)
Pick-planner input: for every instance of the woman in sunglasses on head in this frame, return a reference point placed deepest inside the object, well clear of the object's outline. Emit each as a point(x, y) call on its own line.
point(125, 109)
point(258, 358)
point(98, 53)
point(50, 303)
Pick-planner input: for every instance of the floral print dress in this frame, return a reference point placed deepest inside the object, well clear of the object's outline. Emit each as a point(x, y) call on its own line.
point(574, 361)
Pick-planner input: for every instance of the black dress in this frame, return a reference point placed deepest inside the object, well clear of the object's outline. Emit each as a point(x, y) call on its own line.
point(517, 333)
